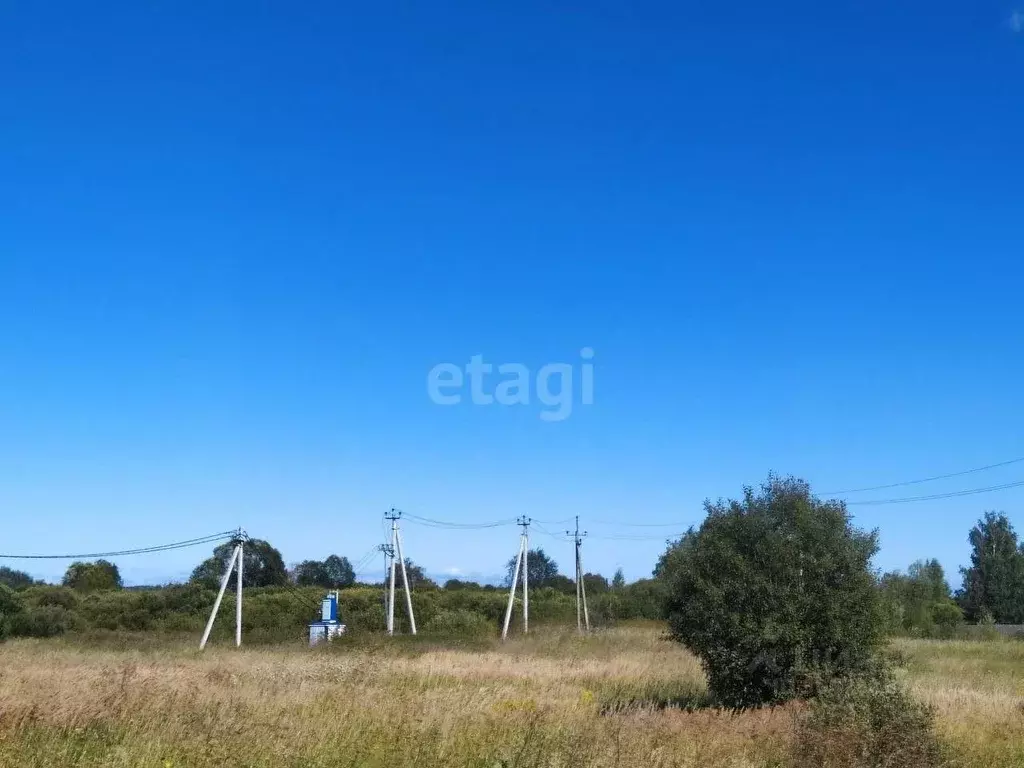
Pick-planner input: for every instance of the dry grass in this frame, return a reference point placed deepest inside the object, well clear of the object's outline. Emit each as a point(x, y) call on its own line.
point(977, 689)
point(616, 698)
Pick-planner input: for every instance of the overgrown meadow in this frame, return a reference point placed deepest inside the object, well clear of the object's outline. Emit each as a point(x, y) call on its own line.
point(623, 696)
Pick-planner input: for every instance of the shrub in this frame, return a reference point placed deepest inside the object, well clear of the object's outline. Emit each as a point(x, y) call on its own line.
point(774, 594)
point(46, 594)
point(11, 606)
point(459, 624)
point(44, 621)
point(867, 722)
point(948, 617)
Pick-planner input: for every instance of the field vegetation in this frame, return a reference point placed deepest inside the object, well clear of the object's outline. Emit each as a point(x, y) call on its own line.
point(764, 638)
point(620, 697)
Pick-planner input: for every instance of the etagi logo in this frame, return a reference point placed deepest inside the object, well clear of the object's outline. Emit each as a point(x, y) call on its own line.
point(553, 384)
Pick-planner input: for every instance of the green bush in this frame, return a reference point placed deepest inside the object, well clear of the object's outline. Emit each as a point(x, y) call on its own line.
point(47, 594)
point(460, 624)
point(775, 594)
point(867, 722)
point(44, 621)
point(948, 617)
point(11, 607)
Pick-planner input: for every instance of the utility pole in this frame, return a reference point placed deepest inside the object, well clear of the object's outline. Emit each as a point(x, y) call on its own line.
point(396, 552)
point(237, 556)
point(522, 559)
point(389, 556)
point(581, 587)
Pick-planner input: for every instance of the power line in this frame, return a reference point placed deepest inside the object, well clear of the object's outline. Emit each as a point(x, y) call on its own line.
point(300, 597)
point(554, 522)
point(432, 523)
point(365, 559)
point(925, 479)
point(546, 532)
point(636, 525)
point(638, 537)
point(936, 496)
point(139, 551)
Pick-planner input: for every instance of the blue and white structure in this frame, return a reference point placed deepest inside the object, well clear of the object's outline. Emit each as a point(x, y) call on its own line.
point(329, 625)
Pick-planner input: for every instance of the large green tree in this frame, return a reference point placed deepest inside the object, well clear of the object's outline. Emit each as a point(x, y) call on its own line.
point(541, 569)
point(333, 573)
point(618, 580)
point(595, 583)
point(91, 577)
point(340, 573)
point(15, 579)
point(919, 602)
point(774, 593)
point(311, 573)
point(994, 582)
point(418, 578)
point(262, 565)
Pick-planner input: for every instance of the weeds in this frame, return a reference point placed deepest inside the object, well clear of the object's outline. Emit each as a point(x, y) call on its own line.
point(622, 697)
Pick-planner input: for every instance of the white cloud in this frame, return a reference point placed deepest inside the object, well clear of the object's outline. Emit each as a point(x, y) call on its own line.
point(453, 571)
point(1017, 21)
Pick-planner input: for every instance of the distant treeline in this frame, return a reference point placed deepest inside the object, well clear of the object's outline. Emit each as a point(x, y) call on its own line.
point(280, 601)
point(281, 612)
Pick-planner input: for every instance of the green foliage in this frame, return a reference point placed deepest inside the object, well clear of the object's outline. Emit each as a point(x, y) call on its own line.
point(948, 617)
point(643, 599)
point(919, 603)
point(562, 584)
point(15, 579)
point(333, 573)
point(618, 580)
point(262, 565)
point(541, 569)
point(867, 722)
point(340, 573)
point(460, 624)
point(92, 577)
point(417, 576)
point(10, 601)
point(460, 584)
point(43, 621)
point(995, 580)
point(595, 584)
point(310, 573)
point(48, 594)
point(11, 607)
point(774, 594)
point(29, 614)
point(208, 573)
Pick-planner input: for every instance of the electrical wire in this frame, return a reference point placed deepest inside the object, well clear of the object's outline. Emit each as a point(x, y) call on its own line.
point(364, 560)
point(554, 522)
point(558, 536)
point(627, 537)
point(138, 551)
point(936, 496)
point(300, 597)
point(924, 479)
point(633, 525)
point(432, 523)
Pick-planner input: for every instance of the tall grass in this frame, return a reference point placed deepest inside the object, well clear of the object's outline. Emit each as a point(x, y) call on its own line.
point(621, 697)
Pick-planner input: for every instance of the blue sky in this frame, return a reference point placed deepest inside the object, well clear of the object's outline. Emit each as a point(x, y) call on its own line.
point(235, 240)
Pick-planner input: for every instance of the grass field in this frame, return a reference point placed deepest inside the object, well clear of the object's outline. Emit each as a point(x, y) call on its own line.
point(620, 697)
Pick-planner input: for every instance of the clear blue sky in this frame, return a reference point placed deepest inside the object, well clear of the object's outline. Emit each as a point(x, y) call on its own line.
point(234, 241)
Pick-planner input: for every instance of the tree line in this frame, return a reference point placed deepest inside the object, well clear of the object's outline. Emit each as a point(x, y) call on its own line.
point(918, 601)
